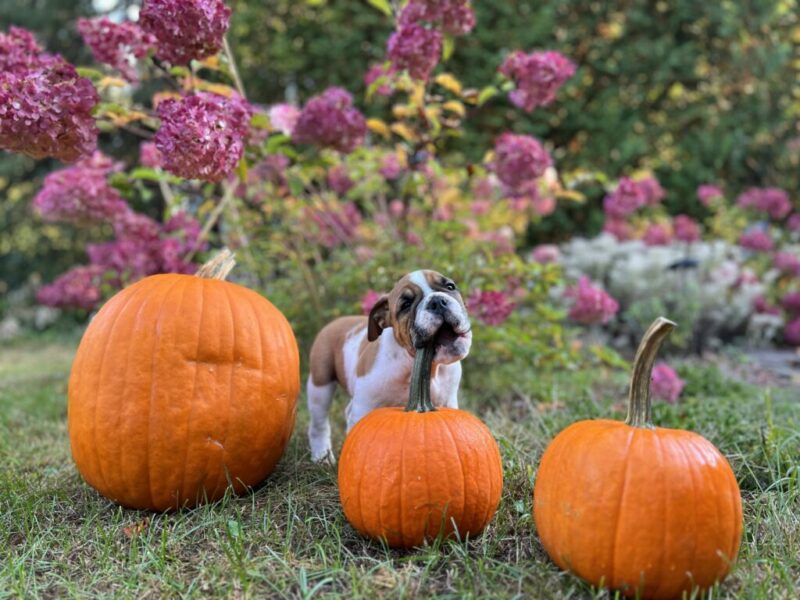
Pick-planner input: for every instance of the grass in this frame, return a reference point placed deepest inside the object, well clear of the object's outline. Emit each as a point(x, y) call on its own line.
point(289, 538)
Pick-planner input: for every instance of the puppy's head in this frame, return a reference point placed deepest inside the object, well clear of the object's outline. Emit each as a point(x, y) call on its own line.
point(424, 306)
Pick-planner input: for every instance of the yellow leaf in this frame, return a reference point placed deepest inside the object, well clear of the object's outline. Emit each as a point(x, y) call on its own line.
point(215, 88)
point(379, 127)
point(418, 95)
point(107, 82)
point(401, 111)
point(456, 107)
point(448, 82)
point(404, 131)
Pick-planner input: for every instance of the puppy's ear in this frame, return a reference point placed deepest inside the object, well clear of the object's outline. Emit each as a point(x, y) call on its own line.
point(378, 318)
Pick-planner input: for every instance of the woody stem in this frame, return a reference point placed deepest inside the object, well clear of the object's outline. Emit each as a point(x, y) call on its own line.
point(639, 394)
point(419, 396)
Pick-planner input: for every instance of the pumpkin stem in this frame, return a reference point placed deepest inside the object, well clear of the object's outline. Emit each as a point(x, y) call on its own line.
point(639, 394)
point(419, 396)
point(218, 267)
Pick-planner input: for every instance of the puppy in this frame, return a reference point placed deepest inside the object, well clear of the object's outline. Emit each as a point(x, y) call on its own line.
point(371, 357)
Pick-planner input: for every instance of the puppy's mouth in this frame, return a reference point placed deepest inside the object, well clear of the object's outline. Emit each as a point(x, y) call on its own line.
point(445, 336)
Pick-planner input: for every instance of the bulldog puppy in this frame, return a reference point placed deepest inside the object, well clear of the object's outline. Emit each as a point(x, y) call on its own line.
point(371, 357)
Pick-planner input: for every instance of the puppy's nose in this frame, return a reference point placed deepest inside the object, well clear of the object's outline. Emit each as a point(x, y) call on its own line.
point(437, 304)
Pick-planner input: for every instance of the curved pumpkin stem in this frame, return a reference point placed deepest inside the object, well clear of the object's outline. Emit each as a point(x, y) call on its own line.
point(639, 394)
point(218, 267)
point(419, 396)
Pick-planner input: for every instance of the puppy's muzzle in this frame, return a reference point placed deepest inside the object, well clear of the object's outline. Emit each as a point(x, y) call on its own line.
point(439, 317)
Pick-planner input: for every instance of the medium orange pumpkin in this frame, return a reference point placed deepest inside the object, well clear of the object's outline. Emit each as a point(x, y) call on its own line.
point(409, 475)
point(181, 386)
point(647, 510)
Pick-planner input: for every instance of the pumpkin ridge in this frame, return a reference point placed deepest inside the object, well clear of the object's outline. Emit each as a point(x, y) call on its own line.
point(665, 520)
point(461, 464)
point(381, 463)
point(193, 401)
point(96, 394)
point(690, 468)
point(232, 383)
point(153, 353)
point(490, 452)
point(631, 439)
point(402, 478)
point(363, 468)
point(254, 311)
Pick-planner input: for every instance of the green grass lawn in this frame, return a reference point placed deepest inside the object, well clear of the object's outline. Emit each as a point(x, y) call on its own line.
point(289, 537)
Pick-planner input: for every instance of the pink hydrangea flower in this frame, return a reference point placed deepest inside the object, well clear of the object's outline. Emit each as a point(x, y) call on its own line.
point(339, 179)
point(651, 190)
point(793, 222)
point(390, 166)
point(368, 301)
point(665, 383)
point(335, 226)
point(791, 332)
point(331, 120)
point(116, 44)
point(762, 306)
point(415, 49)
point(590, 304)
point(538, 77)
point(149, 156)
point(773, 201)
point(380, 70)
point(490, 307)
point(791, 302)
point(452, 16)
point(202, 135)
point(77, 288)
point(707, 192)
point(628, 197)
point(185, 29)
point(657, 234)
point(619, 228)
point(19, 52)
point(757, 240)
point(519, 160)
point(787, 263)
point(545, 254)
point(283, 117)
point(686, 229)
point(80, 193)
point(48, 112)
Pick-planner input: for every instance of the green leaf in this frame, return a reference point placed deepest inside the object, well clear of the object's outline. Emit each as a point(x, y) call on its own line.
point(145, 174)
point(274, 142)
point(90, 73)
point(260, 120)
point(241, 170)
point(486, 94)
point(296, 186)
point(448, 46)
point(382, 5)
point(609, 357)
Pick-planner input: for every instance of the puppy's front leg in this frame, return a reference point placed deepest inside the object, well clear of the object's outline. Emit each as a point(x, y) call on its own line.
point(319, 429)
point(359, 407)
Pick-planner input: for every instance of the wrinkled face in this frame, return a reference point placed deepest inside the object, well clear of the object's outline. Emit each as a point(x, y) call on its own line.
point(424, 306)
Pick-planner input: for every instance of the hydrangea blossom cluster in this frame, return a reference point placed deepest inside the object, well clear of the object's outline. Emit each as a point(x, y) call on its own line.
point(339, 179)
point(47, 111)
point(202, 135)
point(545, 254)
point(787, 263)
point(116, 44)
point(330, 120)
point(377, 71)
point(490, 307)
point(665, 383)
point(416, 49)
point(791, 303)
point(149, 155)
point(390, 166)
point(454, 17)
point(519, 161)
point(185, 29)
point(791, 332)
point(335, 226)
point(537, 76)
point(19, 52)
point(77, 288)
point(283, 117)
point(619, 228)
point(773, 201)
point(686, 228)
point(368, 301)
point(707, 192)
point(630, 195)
point(80, 193)
point(657, 234)
point(757, 239)
point(590, 303)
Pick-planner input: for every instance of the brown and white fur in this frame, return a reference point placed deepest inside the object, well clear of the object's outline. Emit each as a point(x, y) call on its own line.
point(371, 357)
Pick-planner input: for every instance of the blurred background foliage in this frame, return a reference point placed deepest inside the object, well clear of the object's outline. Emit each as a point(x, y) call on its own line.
point(695, 92)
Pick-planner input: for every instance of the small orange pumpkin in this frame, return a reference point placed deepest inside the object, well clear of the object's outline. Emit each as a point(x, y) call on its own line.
point(653, 512)
point(181, 386)
point(409, 475)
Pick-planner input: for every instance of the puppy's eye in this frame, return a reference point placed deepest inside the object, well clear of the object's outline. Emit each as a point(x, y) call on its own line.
point(405, 304)
point(450, 286)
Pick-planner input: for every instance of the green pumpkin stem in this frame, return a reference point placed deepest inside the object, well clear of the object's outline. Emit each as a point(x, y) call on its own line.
point(639, 394)
point(218, 267)
point(419, 396)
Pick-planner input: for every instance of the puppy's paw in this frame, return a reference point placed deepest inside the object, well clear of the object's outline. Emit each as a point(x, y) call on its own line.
point(323, 457)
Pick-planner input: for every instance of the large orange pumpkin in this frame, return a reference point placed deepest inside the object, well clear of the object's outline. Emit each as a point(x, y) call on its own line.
point(409, 475)
point(647, 510)
point(182, 385)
